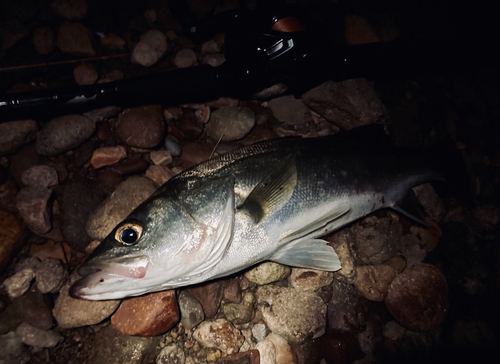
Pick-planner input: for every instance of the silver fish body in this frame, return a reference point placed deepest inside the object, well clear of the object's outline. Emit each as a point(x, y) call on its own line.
point(270, 201)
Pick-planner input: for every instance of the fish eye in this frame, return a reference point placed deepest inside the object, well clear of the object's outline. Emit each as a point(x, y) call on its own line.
point(129, 233)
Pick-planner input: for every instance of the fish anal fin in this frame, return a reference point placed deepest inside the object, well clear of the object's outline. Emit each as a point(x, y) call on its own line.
point(411, 208)
point(308, 253)
point(272, 192)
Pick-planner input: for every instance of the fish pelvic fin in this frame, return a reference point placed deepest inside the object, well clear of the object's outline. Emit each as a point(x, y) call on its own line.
point(411, 208)
point(272, 192)
point(308, 253)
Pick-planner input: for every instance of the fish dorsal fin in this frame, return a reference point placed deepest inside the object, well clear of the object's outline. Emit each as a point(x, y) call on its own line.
point(411, 208)
point(272, 192)
point(308, 253)
point(320, 224)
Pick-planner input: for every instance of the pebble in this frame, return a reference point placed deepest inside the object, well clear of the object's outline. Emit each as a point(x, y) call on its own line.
point(172, 145)
point(240, 313)
point(141, 127)
point(348, 104)
point(191, 311)
point(151, 47)
point(106, 156)
point(85, 74)
point(210, 47)
point(126, 197)
point(373, 281)
point(294, 315)
point(185, 58)
point(230, 123)
point(246, 357)
point(209, 295)
point(171, 354)
point(42, 175)
point(71, 312)
point(63, 133)
point(411, 249)
point(50, 276)
point(393, 331)
point(33, 205)
point(284, 353)
point(428, 235)
point(43, 40)
point(346, 310)
point(259, 332)
point(159, 174)
point(13, 351)
point(290, 110)
point(71, 10)
point(113, 42)
point(134, 165)
point(73, 38)
point(51, 249)
point(267, 352)
point(219, 334)
point(430, 201)
point(191, 124)
point(267, 272)
point(13, 134)
point(103, 114)
point(148, 315)
point(12, 234)
point(232, 292)
point(17, 284)
point(213, 60)
point(342, 242)
point(418, 297)
point(28, 263)
point(33, 336)
point(161, 157)
point(78, 200)
point(303, 279)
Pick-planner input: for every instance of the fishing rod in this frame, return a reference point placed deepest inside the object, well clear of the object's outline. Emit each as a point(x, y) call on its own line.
point(262, 48)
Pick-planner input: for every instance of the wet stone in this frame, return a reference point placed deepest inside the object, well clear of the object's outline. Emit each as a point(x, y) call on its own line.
point(373, 281)
point(161, 157)
point(141, 127)
point(73, 38)
point(171, 354)
point(346, 310)
point(230, 123)
point(42, 175)
point(191, 311)
point(130, 166)
point(209, 295)
point(341, 242)
point(50, 276)
point(232, 292)
point(103, 113)
point(289, 110)
point(33, 203)
point(219, 334)
point(185, 58)
point(106, 156)
point(411, 249)
point(304, 279)
point(172, 145)
point(13, 350)
point(17, 284)
point(259, 332)
point(33, 336)
point(240, 313)
point(159, 174)
point(85, 74)
point(151, 47)
point(14, 134)
point(268, 272)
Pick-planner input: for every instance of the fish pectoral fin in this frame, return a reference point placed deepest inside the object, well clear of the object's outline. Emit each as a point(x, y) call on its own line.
point(308, 253)
point(411, 208)
point(272, 192)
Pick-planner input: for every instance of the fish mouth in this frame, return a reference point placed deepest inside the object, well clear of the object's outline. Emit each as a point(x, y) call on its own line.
point(99, 277)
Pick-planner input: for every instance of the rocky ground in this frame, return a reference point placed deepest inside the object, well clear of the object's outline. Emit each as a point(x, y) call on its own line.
point(405, 293)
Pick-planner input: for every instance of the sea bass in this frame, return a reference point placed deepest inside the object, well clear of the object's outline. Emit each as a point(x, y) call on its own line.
point(270, 201)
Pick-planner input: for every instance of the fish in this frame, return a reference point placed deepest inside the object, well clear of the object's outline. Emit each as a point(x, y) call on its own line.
point(271, 201)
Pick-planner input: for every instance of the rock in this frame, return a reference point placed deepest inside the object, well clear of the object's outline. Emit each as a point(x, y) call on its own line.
point(429, 199)
point(191, 124)
point(103, 114)
point(247, 357)
point(428, 235)
point(185, 58)
point(50, 276)
point(141, 127)
point(259, 332)
point(342, 242)
point(63, 133)
point(172, 145)
point(376, 239)
point(346, 310)
point(51, 249)
point(213, 60)
point(240, 313)
point(14, 134)
point(159, 174)
point(85, 74)
point(19, 283)
point(267, 272)
point(411, 249)
point(294, 315)
point(232, 292)
point(418, 297)
point(284, 353)
point(148, 315)
point(393, 331)
point(78, 201)
point(70, 9)
point(110, 346)
point(219, 334)
point(151, 47)
point(106, 156)
point(209, 296)
point(172, 353)
point(304, 279)
point(33, 336)
point(74, 38)
point(43, 40)
point(42, 175)
point(71, 312)
point(126, 197)
point(230, 123)
point(210, 47)
point(398, 263)
point(134, 165)
point(191, 311)
point(13, 350)
point(33, 203)
point(373, 281)
point(267, 352)
point(161, 157)
point(12, 236)
point(113, 42)
point(348, 104)
point(289, 110)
